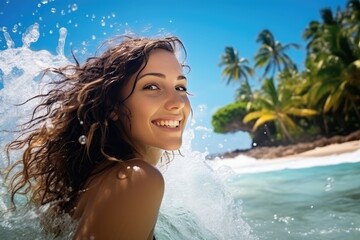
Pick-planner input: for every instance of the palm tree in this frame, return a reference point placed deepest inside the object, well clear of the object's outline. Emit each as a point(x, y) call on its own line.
point(335, 52)
point(272, 54)
point(339, 88)
point(235, 69)
point(352, 19)
point(276, 106)
point(244, 93)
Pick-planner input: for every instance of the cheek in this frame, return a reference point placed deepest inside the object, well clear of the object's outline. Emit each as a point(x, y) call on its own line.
point(187, 108)
point(139, 116)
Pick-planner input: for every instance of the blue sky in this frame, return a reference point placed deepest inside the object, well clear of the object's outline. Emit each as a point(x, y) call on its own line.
point(206, 28)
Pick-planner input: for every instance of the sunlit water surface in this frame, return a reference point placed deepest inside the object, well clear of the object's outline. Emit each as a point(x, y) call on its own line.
point(308, 203)
point(201, 201)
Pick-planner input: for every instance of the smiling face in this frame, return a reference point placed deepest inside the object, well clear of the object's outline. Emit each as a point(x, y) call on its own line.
point(159, 104)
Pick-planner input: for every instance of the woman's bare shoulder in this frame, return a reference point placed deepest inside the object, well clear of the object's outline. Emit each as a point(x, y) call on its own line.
point(122, 203)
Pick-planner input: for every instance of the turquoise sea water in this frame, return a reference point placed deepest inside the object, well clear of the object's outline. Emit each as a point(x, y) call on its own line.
point(307, 203)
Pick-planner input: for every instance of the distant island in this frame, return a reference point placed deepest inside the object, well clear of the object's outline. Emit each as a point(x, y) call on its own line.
point(293, 110)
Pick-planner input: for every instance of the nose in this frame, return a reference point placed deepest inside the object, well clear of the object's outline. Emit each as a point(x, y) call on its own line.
point(175, 101)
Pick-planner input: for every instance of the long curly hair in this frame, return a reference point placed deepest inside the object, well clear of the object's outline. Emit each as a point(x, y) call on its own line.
point(56, 165)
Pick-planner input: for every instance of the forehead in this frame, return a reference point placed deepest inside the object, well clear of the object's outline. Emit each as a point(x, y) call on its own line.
point(162, 60)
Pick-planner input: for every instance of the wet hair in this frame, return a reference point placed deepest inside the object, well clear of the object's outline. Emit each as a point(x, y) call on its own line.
point(56, 164)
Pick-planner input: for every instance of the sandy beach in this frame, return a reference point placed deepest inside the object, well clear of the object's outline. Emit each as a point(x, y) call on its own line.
point(331, 149)
point(320, 156)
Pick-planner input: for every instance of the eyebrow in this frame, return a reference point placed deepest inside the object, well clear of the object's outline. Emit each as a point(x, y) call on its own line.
point(160, 75)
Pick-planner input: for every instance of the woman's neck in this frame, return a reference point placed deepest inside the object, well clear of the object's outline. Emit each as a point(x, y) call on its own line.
point(151, 155)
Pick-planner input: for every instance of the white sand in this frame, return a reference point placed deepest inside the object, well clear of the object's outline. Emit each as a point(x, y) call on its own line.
point(330, 149)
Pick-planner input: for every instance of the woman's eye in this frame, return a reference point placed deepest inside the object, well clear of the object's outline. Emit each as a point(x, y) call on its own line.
point(181, 88)
point(151, 87)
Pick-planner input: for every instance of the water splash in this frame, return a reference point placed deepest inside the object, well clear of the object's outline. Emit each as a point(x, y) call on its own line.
point(9, 42)
point(31, 35)
point(196, 202)
point(61, 42)
point(21, 70)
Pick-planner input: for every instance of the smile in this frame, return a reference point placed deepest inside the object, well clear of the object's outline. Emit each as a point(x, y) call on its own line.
point(167, 123)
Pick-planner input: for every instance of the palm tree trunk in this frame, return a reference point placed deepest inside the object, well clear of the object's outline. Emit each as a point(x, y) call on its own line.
point(354, 107)
point(325, 124)
point(286, 132)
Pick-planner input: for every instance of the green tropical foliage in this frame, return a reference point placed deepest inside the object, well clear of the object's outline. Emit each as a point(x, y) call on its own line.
point(272, 54)
point(291, 105)
point(235, 68)
point(228, 119)
point(279, 107)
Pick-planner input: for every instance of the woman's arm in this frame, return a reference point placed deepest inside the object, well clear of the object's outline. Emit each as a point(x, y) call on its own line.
point(122, 203)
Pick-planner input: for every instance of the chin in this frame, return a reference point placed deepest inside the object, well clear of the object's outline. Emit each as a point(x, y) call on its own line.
point(173, 147)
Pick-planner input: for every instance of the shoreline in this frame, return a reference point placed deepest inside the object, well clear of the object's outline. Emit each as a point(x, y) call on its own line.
point(320, 147)
point(320, 156)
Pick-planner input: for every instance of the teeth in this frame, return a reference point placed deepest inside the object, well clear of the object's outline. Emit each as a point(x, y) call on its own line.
point(168, 123)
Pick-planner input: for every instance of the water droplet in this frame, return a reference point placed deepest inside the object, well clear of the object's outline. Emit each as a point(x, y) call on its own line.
point(254, 144)
point(81, 122)
point(329, 184)
point(74, 7)
point(201, 107)
point(121, 175)
point(44, 1)
point(53, 10)
point(82, 139)
point(102, 23)
point(15, 28)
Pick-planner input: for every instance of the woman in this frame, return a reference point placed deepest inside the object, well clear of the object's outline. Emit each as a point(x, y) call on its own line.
point(92, 143)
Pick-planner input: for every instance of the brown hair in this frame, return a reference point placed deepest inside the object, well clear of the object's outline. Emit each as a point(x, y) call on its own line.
point(55, 165)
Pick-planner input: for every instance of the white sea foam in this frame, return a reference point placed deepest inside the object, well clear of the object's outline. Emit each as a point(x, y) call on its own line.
point(244, 164)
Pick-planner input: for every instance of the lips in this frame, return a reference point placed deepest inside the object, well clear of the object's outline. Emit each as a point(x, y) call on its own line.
point(167, 123)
